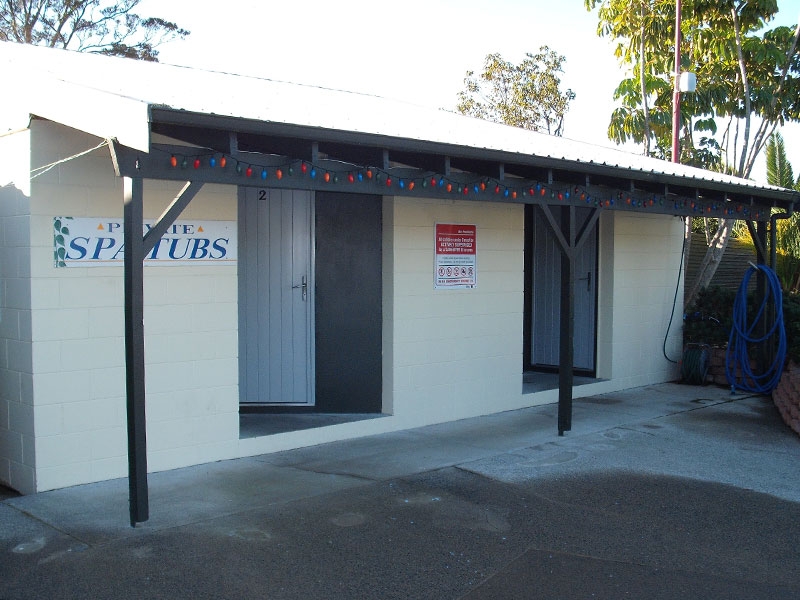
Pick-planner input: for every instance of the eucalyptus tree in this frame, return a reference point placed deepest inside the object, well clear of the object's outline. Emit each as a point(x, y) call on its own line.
point(103, 26)
point(526, 95)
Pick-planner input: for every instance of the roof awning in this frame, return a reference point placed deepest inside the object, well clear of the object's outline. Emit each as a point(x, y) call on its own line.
point(131, 100)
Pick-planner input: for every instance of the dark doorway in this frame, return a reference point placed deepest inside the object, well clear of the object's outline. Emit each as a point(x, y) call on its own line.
point(348, 276)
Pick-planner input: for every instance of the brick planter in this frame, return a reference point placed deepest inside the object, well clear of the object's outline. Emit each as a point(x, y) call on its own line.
point(716, 367)
point(787, 396)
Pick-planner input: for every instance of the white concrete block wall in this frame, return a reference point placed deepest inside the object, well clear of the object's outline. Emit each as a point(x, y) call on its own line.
point(448, 354)
point(453, 353)
point(17, 458)
point(639, 261)
point(78, 369)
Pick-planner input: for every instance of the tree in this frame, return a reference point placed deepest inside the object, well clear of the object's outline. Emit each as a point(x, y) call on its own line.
point(747, 78)
point(779, 169)
point(103, 26)
point(526, 95)
point(787, 233)
point(639, 28)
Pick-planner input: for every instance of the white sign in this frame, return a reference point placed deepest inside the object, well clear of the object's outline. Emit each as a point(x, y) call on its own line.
point(90, 242)
point(456, 253)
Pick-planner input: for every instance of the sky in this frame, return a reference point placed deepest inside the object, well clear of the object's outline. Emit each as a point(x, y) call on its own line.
point(416, 50)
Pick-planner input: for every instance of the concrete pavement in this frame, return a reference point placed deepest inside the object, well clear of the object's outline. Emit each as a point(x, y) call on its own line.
point(666, 491)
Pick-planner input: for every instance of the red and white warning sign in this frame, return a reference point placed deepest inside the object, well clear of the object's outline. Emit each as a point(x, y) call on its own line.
point(456, 254)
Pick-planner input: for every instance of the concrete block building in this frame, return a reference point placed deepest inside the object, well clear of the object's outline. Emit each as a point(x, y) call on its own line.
point(314, 252)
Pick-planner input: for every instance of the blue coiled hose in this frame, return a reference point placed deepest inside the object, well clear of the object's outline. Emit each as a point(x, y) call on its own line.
point(737, 360)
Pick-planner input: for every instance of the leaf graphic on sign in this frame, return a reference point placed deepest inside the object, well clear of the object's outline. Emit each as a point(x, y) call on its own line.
point(59, 242)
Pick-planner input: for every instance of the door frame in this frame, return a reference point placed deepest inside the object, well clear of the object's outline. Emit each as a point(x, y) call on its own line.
point(528, 364)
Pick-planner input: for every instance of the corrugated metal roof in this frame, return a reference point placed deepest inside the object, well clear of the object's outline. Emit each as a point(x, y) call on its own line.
point(112, 97)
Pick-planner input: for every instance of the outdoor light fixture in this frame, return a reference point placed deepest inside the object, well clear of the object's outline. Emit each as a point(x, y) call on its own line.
point(687, 83)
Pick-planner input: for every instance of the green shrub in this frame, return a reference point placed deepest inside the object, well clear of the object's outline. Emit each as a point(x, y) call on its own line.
point(710, 318)
point(791, 321)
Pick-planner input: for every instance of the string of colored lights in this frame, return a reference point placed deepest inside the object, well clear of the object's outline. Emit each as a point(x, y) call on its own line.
point(354, 174)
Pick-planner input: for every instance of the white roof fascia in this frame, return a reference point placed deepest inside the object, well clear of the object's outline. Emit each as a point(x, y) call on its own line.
point(99, 113)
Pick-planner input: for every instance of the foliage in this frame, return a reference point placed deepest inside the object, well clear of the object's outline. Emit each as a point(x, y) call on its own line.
point(748, 79)
point(779, 169)
point(787, 268)
point(639, 28)
point(710, 318)
point(791, 321)
point(742, 72)
point(526, 95)
point(103, 26)
point(787, 231)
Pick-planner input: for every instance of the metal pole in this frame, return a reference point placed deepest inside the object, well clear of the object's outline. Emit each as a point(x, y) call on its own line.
point(133, 227)
point(676, 96)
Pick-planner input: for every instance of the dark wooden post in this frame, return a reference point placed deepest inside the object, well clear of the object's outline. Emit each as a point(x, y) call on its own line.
point(766, 352)
point(133, 227)
point(566, 349)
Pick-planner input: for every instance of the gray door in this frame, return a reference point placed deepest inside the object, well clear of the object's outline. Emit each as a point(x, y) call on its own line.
point(276, 297)
point(546, 296)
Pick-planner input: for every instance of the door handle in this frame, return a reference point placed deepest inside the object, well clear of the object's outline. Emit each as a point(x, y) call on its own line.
point(302, 286)
point(588, 280)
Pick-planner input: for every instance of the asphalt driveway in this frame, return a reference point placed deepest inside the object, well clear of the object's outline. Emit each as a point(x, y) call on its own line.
point(667, 491)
